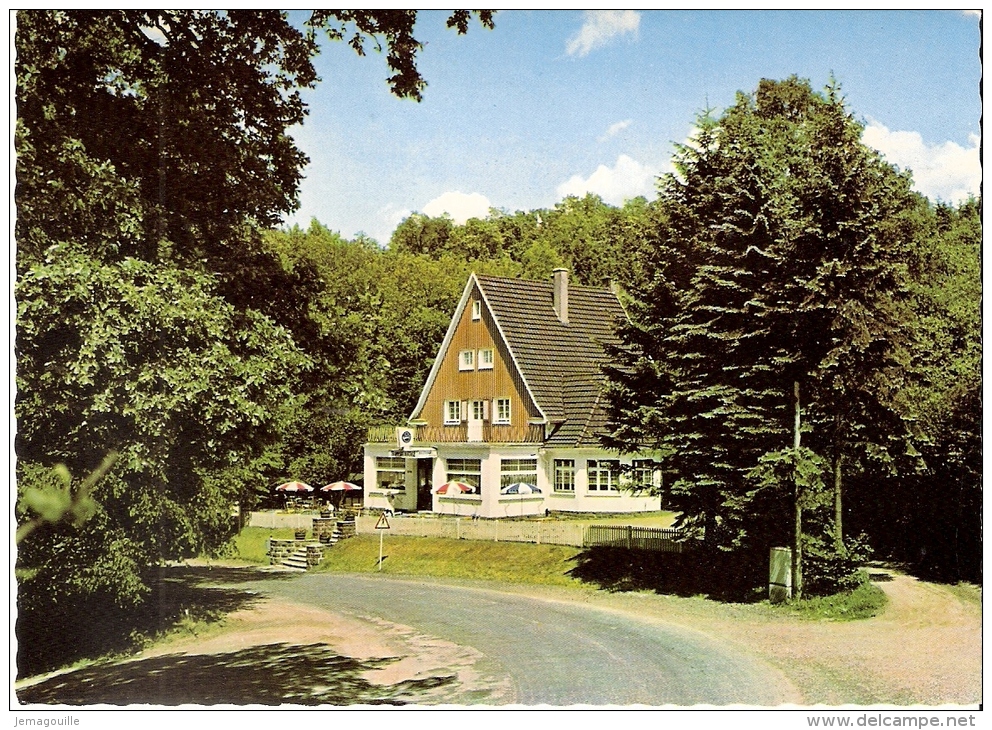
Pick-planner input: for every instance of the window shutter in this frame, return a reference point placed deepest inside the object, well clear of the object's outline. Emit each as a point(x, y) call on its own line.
point(464, 410)
point(485, 410)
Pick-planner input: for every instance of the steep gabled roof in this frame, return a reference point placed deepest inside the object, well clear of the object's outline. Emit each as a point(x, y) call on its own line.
point(560, 364)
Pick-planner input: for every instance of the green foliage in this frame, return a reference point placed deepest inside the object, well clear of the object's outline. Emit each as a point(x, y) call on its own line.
point(782, 258)
point(136, 352)
point(49, 496)
point(827, 570)
point(153, 319)
point(396, 28)
point(864, 601)
point(595, 241)
point(932, 518)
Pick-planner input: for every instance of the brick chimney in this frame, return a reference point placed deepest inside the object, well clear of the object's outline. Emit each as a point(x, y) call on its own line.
point(560, 278)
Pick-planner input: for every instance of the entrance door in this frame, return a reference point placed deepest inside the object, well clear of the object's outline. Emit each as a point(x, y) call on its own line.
point(425, 487)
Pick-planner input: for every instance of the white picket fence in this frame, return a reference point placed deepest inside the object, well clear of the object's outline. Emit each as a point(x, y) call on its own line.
point(542, 533)
point(550, 532)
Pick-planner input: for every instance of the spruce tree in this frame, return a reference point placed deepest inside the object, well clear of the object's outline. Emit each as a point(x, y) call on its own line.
point(793, 238)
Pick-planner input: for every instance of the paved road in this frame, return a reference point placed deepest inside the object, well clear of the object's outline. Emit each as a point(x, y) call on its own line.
point(555, 653)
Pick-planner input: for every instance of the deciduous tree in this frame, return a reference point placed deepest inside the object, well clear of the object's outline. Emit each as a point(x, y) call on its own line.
point(153, 319)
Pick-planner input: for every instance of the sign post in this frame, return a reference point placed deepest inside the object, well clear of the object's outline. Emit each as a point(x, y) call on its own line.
point(382, 525)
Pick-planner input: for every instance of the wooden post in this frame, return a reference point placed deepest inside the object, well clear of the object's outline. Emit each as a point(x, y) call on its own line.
point(797, 550)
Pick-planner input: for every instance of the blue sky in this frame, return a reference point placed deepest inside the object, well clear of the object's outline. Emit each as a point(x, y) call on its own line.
point(552, 103)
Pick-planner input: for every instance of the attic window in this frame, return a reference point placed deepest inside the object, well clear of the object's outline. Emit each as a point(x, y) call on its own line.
point(501, 410)
point(466, 360)
point(486, 359)
point(476, 311)
point(452, 412)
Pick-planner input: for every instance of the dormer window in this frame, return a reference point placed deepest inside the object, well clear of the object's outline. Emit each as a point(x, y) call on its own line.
point(466, 360)
point(486, 359)
point(476, 311)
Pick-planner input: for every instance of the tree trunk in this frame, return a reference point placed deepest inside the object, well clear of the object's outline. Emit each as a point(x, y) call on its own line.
point(838, 485)
point(797, 548)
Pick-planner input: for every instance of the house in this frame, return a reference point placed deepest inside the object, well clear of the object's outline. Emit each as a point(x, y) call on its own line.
point(515, 396)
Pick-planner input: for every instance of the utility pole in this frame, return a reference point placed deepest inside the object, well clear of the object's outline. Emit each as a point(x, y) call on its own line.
point(797, 548)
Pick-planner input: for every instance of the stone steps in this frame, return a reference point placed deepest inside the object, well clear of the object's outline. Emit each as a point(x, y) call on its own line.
point(298, 559)
point(303, 554)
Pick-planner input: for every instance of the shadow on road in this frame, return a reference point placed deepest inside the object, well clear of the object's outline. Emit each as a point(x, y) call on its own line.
point(263, 675)
point(97, 627)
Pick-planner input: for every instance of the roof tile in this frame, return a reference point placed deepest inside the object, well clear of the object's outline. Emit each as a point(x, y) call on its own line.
point(562, 364)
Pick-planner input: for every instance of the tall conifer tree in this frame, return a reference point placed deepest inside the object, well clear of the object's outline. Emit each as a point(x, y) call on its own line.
point(792, 238)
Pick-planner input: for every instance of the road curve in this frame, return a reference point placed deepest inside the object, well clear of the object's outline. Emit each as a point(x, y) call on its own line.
point(555, 653)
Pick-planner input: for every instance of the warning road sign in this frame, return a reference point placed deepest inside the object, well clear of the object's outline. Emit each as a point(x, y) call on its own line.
point(383, 523)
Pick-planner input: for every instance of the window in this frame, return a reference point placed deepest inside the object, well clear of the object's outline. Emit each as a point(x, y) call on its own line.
point(468, 471)
point(517, 470)
point(486, 359)
point(644, 473)
point(501, 410)
point(390, 472)
point(466, 360)
point(479, 410)
point(452, 412)
point(565, 475)
point(476, 311)
point(603, 475)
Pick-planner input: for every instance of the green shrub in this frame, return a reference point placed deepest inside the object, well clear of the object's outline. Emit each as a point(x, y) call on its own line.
point(827, 570)
point(865, 601)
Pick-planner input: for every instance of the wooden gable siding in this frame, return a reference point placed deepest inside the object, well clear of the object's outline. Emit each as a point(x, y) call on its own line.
point(502, 381)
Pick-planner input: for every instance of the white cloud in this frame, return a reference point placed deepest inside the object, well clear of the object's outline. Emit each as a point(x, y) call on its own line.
point(627, 179)
point(947, 172)
point(615, 129)
point(387, 218)
point(976, 13)
point(459, 206)
point(600, 27)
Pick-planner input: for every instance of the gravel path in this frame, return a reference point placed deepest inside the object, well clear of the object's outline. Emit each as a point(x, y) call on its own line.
point(925, 648)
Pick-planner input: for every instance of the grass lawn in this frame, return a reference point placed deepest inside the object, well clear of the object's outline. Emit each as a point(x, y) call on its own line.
point(524, 563)
point(466, 559)
point(434, 557)
point(250, 543)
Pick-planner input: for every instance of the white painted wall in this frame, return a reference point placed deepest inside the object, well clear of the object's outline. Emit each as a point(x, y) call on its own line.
point(491, 503)
point(374, 497)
